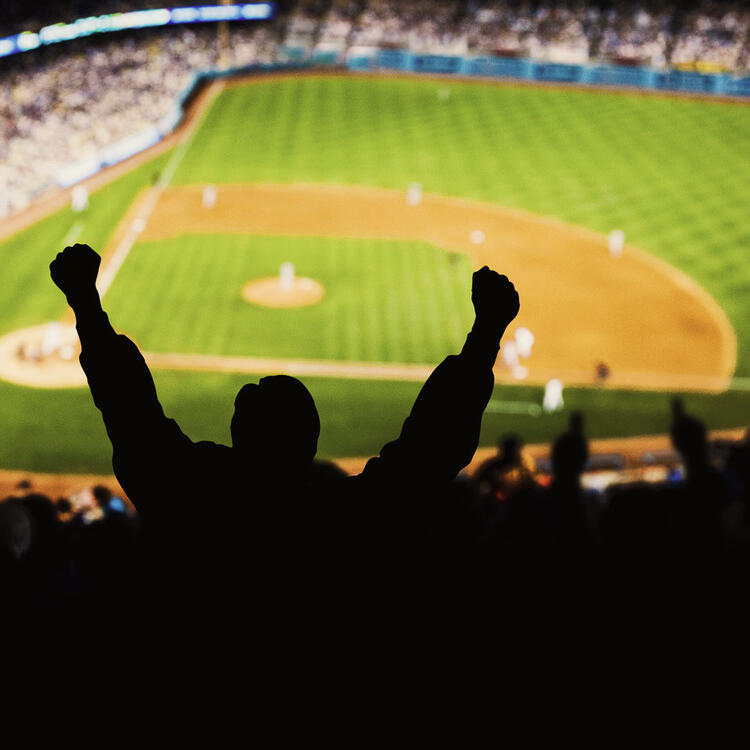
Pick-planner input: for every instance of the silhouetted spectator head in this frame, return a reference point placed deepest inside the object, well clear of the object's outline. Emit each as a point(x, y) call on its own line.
point(570, 452)
point(509, 446)
point(16, 529)
point(102, 496)
point(688, 437)
point(276, 420)
point(325, 472)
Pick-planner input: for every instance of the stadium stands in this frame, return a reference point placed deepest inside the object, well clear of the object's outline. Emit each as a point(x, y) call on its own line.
point(63, 104)
point(58, 555)
point(713, 36)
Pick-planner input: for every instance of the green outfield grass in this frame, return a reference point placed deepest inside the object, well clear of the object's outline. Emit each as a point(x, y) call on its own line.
point(673, 173)
point(62, 430)
point(28, 296)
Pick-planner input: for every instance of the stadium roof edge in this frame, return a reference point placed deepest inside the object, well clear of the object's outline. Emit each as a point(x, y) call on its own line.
point(138, 19)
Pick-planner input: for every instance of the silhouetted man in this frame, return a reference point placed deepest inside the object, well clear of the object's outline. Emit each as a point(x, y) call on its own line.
point(199, 493)
point(704, 493)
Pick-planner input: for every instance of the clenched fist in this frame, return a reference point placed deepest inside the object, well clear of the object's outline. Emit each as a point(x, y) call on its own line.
point(495, 299)
point(74, 270)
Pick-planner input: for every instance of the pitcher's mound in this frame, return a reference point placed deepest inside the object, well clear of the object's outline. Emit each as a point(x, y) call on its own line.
point(269, 292)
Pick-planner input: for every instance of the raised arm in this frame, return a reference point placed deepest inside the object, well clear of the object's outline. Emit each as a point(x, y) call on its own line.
point(74, 271)
point(441, 434)
point(116, 371)
point(118, 376)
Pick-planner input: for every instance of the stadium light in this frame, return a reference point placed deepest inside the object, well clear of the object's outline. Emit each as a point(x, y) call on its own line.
point(137, 19)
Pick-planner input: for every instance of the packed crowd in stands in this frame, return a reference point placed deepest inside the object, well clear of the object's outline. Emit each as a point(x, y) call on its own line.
point(634, 35)
point(546, 32)
point(63, 104)
point(713, 36)
point(708, 36)
point(657, 32)
point(420, 26)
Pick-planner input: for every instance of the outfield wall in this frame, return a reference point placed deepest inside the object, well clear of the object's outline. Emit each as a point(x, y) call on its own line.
point(524, 69)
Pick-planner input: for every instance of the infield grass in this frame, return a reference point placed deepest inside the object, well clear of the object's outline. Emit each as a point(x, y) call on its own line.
point(384, 301)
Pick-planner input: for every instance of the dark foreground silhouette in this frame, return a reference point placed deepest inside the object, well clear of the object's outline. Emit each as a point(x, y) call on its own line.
point(275, 523)
point(234, 545)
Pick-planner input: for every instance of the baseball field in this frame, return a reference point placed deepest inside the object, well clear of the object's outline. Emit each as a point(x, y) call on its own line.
point(314, 170)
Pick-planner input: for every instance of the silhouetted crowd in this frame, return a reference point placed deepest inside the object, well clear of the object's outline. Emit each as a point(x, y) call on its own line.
point(502, 528)
point(57, 556)
point(260, 538)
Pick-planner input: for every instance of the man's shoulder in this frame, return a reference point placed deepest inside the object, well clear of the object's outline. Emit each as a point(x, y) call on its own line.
point(209, 448)
point(206, 454)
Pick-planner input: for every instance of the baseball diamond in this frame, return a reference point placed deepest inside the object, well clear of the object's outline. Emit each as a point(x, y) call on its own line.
point(315, 169)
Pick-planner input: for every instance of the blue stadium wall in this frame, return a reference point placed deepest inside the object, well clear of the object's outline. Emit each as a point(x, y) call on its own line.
point(717, 84)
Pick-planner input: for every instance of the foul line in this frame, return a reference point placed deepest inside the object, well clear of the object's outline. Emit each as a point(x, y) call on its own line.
point(357, 370)
point(527, 408)
point(73, 233)
point(310, 367)
point(138, 224)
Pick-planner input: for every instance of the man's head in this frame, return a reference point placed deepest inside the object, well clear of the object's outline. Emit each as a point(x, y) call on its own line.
point(276, 423)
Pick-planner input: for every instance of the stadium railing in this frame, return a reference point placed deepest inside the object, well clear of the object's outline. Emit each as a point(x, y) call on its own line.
point(717, 84)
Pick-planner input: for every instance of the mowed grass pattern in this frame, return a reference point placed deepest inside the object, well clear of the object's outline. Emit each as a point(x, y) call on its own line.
point(384, 301)
point(674, 174)
point(29, 297)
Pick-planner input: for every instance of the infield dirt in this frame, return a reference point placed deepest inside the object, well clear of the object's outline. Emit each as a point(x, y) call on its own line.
point(651, 324)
